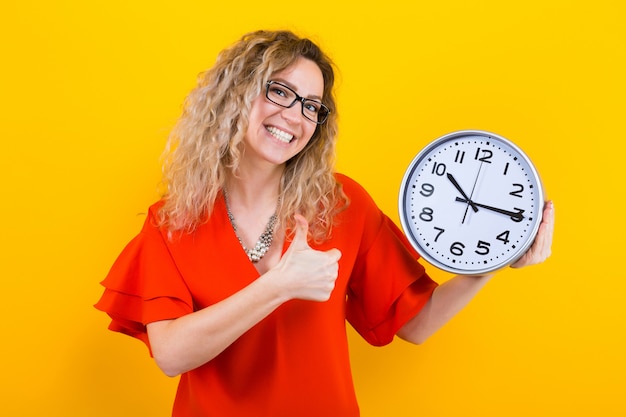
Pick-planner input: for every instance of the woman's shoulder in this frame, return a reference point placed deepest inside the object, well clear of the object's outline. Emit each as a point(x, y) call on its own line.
point(346, 180)
point(355, 192)
point(155, 208)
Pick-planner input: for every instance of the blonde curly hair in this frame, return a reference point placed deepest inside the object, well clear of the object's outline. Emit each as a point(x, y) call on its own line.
point(205, 145)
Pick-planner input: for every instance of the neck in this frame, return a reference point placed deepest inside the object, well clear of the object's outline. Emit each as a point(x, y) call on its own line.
point(255, 187)
point(251, 198)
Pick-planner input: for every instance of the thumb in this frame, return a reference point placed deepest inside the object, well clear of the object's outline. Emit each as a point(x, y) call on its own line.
point(302, 231)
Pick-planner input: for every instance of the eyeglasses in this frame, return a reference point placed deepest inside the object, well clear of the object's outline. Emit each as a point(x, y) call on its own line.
point(284, 96)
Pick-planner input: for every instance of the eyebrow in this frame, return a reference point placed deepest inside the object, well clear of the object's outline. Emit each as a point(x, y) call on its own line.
point(293, 87)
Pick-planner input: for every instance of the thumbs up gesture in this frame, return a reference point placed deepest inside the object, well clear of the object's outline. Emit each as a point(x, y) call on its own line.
point(306, 273)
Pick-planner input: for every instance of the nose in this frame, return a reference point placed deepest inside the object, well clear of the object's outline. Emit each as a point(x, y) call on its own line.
point(292, 114)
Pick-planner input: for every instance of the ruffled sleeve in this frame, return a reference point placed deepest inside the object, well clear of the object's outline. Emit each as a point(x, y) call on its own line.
point(144, 285)
point(388, 285)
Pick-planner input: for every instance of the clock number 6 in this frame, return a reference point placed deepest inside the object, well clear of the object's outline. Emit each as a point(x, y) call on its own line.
point(457, 248)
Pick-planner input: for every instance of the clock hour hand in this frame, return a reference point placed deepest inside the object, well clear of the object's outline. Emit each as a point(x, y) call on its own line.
point(458, 187)
point(515, 215)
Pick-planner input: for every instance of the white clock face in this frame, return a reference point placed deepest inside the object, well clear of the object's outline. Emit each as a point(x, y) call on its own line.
point(471, 202)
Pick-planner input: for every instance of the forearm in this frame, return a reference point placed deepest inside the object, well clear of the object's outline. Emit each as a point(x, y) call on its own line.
point(450, 298)
point(447, 300)
point(190, 341)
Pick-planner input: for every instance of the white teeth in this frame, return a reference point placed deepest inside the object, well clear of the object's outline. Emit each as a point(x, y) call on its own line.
point(280, 135)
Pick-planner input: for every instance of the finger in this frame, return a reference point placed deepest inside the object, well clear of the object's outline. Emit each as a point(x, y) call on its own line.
point(542, 247)
point(302, 231)
point(549, 214)
point(546, 231)
point(549, 232)
point(335, 254)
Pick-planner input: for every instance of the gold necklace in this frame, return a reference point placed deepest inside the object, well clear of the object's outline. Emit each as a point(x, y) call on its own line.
point(265, 240)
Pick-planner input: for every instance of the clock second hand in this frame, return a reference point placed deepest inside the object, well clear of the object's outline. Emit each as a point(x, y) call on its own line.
point(515, 215)
point(469, 200)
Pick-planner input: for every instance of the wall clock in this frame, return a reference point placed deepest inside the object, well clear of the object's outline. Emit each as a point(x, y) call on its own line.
point(471, 202)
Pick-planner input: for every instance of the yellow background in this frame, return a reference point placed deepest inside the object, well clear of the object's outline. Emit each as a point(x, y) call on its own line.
point(89, 90)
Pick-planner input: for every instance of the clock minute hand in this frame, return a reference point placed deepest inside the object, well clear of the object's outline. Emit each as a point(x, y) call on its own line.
point(515, 215)
point(458, 187)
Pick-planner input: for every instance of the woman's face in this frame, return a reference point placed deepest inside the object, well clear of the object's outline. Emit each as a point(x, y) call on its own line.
point(275, 134)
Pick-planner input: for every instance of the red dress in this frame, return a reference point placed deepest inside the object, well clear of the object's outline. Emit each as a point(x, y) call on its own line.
point(294, 362)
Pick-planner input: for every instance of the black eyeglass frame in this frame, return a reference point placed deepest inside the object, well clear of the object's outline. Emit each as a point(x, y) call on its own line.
point(325, 111)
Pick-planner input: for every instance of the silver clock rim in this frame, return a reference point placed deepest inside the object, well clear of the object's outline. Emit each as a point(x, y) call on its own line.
point(403, 190)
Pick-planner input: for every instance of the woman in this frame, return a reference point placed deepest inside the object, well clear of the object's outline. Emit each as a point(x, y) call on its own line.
point(243, 276)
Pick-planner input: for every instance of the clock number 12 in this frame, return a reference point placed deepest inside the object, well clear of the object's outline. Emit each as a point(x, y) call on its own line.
point(486, 155)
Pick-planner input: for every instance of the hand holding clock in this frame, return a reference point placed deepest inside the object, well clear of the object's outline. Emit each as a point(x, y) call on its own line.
point(454, 294)
point(541, 248)
point(474, 251)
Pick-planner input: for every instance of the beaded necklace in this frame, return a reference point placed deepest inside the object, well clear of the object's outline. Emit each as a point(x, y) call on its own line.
point(265, 240)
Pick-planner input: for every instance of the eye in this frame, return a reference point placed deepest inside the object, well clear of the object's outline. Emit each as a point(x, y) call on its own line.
point(278, 91)
point(312, 106)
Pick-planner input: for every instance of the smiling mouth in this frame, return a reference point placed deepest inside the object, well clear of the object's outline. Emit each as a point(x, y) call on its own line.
point(280, 135)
